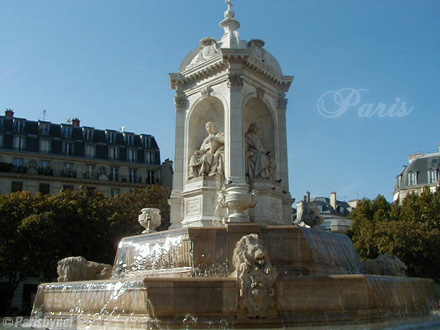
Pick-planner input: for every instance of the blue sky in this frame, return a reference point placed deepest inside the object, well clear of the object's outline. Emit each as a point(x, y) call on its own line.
point(107, 63)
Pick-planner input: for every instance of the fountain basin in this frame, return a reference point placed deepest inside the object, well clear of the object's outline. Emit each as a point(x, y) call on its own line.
point(184, 278)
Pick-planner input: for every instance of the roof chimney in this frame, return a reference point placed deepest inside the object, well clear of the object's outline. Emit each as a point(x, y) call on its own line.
point(307, 196)
point(333, 200)
point(76, 122)
point(415, 156)
point(9, 113)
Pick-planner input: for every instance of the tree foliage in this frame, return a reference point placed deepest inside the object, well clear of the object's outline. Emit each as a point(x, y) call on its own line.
point(39, 230)
point(410, 231)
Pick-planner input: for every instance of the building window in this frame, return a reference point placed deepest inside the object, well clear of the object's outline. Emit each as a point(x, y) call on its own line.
point(132, 175)
point(146, 141)
point(90, 151)
point(129, 139)
point(43, 128)
point(68, 170)
point(44, 167)
point(18, 162)
point(88, 134)
point(16, 186)
point(432, 176)
point(90, 188)
point(114, 174)
point(45, 146)
point(19, 125)
point(113, 153)
point(44, 188)
point(67, 132)
point(412, 178)
point(114, 192)
point(90, 172)
point(150, 157)
point(68, 187)
point(1, 140)
point(132, 155)
point(150, 177)
point(111, 137)
point(19, 142)
point(68, 148)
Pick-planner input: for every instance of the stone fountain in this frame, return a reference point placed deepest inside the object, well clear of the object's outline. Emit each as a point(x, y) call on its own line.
point(232, 258)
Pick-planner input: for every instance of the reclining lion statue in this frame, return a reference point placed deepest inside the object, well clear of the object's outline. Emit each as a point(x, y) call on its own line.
point(385, 264)
point(79, 269)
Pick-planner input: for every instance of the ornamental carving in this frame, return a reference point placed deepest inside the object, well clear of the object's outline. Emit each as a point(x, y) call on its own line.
point(180, 101)
point(207, 51)
point(255, 276)
point(235, 80)
point(282, 102)
point(260, 92)
point(206, 91)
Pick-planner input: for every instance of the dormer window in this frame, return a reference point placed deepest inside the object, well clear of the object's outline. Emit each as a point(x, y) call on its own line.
point(88, 134)
point(146, 141)
point(111, 137)
point(43, 128)
point(19, 125)
point(412, 178)
point(129, 139)
point(432, 176)
point(67, 132)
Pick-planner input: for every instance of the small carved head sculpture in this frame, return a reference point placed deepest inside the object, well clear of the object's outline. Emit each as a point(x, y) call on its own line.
point(150, 219)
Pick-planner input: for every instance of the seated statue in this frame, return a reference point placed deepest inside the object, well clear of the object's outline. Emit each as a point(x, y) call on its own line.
point(79, 269)
point(260, 164)
point(208, 160)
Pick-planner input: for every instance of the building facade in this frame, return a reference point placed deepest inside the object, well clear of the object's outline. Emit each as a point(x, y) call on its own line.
point(422, 171)
point(328, 214)
point(40, 156)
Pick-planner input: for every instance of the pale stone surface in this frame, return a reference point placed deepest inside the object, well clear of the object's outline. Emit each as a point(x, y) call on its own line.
point(150, 219)
point(236, 84)
point(79, 269)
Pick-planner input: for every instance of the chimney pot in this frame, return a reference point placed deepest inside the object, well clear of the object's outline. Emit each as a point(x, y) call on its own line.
point(333, 200)
point(76, 122)
point(9, 113)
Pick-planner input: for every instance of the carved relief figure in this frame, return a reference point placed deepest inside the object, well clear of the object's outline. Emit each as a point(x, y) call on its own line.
point(149, 219)
point(79, 269)
point(385, 264)
point(208, 50)
point(255, 276)
point(260, 164)
point(209, 159)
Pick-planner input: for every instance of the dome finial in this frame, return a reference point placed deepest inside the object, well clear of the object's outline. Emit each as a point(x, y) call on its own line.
point(231, 38)
point(229, 2)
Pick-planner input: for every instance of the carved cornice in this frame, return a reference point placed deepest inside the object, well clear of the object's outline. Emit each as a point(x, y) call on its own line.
point(235, 80)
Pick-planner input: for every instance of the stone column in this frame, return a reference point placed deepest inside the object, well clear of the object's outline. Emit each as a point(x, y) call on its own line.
point(238, 197)
point(181, 105)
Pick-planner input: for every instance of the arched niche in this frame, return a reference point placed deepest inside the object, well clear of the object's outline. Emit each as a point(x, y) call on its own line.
point(256, 111)
point(208, 109)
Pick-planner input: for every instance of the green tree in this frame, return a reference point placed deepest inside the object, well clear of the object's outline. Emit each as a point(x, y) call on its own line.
point(13, 264)
point(37, 231)
point(410, 231)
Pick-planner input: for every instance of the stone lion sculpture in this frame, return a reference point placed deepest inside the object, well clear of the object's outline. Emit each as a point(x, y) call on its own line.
point(150, 219)
point(255, 276)
point(385, 264)
point(79, 269)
